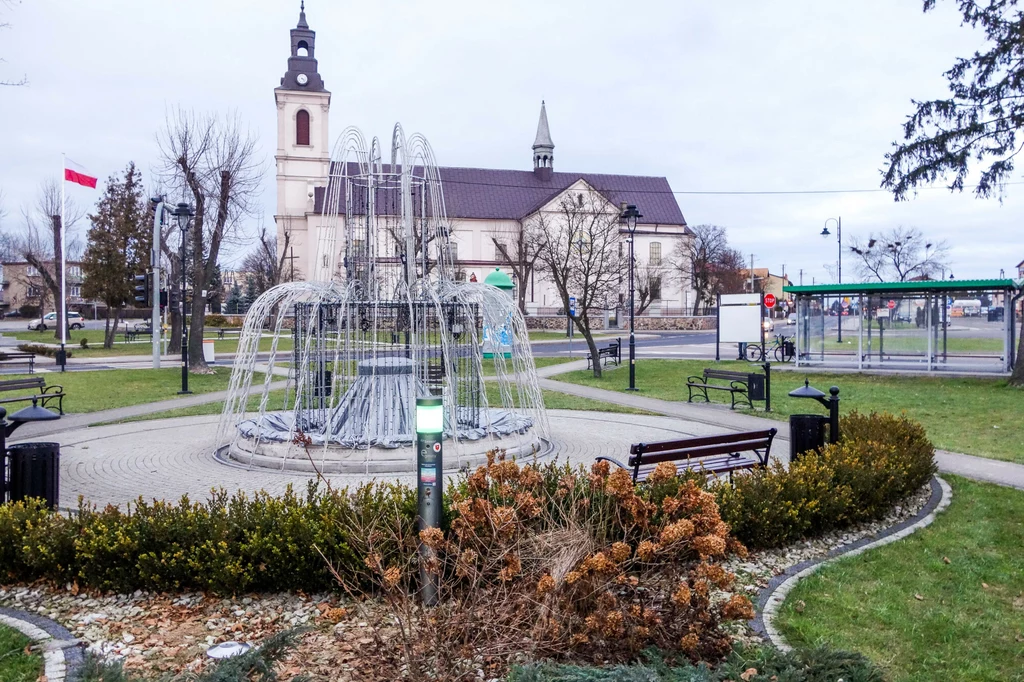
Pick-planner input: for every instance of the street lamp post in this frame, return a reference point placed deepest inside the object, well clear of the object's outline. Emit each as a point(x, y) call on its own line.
point(630, 216)
point(183, 213)
point(839, 271)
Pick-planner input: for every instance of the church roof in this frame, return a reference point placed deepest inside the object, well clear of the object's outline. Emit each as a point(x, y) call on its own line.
point(495, 194)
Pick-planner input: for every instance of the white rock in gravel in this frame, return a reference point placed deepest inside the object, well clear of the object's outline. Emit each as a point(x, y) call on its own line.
point(92, 618)
point(127, 638)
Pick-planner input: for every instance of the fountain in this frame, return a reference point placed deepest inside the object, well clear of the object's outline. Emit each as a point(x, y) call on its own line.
point(384, 318)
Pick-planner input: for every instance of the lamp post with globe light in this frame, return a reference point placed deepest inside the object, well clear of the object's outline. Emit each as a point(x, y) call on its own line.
point(183, 212)
point(839, 271)
point(630, 216)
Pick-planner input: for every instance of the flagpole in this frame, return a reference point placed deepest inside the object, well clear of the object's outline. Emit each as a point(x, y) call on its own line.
point(63, 267)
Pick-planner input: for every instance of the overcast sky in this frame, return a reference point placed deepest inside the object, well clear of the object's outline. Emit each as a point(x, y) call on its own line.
point(791, 95)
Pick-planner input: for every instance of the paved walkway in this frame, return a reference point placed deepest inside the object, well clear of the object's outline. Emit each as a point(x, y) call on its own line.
point(169, 458)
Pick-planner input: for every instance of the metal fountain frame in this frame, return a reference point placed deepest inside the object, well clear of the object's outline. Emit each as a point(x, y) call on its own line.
point(382, 320)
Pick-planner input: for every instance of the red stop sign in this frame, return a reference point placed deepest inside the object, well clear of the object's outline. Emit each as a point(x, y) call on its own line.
point(892, 304)
point(769, 300)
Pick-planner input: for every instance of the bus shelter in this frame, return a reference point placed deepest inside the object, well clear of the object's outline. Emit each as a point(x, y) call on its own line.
point(945, 325)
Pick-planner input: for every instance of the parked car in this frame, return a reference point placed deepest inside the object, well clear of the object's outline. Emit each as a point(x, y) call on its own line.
point(41, 324)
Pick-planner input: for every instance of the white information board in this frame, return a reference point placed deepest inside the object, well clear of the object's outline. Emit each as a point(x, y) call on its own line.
point(739, 318)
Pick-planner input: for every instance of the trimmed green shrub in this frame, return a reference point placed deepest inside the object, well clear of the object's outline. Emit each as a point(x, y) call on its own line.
point(40, 349)
point(215, 320)
point(880, 460)
point(228, 544)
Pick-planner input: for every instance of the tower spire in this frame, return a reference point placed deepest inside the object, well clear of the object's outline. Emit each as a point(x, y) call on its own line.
point(302, 15)
point(543, 147)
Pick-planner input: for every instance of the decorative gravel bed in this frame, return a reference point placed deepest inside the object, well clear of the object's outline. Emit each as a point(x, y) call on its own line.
point(157, 633)
point(161, 633)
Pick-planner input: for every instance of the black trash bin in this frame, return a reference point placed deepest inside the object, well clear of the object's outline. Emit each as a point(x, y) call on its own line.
point(806, 432)
point(34, 471)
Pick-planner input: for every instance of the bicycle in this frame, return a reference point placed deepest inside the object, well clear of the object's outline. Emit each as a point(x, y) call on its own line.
point(781, 348)
point(785, 349)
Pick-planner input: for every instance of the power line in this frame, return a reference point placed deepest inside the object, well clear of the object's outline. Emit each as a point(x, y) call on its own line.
point(449, 181)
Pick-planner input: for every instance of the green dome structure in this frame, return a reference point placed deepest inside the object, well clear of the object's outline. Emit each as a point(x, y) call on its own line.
point(499, 280)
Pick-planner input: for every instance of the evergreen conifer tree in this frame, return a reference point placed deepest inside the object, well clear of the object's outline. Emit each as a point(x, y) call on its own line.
point(118, 245)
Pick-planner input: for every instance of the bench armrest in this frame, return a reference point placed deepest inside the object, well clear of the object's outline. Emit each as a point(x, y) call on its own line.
point(602, 458)
point(696, 379)
point(740, 386)
point(44, 389)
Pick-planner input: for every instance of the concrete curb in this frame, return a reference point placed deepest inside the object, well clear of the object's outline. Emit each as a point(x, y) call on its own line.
point(62, 654)
point(771, 598)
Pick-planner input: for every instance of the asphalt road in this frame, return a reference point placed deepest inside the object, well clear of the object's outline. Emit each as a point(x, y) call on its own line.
point(650, 344)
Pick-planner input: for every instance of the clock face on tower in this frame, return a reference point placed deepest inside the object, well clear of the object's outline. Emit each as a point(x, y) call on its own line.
point(302, 79)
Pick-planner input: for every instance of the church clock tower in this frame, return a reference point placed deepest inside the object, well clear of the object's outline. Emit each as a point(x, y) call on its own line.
point(303, 150)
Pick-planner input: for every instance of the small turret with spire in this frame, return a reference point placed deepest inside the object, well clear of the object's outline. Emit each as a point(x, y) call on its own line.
point(543, 147)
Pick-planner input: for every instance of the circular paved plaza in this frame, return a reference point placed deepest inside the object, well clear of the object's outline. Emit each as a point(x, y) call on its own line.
point(168, 458)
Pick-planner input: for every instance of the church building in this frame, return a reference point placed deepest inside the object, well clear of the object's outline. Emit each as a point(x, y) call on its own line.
point(485, 207)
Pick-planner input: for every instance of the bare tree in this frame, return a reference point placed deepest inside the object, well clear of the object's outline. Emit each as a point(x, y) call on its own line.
point(210, 160)
point(6, 4)
point(708, 265)
point(517, 248)
point(580, 255)
point(899, 254)
point(42, 243)
point(265, 263)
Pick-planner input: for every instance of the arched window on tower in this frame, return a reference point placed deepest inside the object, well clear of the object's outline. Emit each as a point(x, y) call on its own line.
point(302, 127)
point(302, 49)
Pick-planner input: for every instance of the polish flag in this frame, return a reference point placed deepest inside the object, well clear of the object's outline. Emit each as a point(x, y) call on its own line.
point(75, 173)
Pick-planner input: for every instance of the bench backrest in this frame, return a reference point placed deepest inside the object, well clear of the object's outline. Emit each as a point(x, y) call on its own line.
point(675, 450)
point(21, 384)
point(725, 374)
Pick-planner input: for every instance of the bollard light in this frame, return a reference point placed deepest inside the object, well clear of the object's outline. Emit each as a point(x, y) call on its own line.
point(429, 479)
point(429, 415)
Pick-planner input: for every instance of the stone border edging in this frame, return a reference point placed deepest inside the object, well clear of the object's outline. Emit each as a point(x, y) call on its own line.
point(772, 597)
point(62, 656)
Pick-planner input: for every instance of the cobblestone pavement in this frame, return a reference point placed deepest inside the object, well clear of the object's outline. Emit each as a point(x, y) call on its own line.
point(168, 458)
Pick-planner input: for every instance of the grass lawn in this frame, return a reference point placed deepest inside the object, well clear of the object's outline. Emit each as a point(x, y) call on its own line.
point(488, 364)
point(904, 343)
point(15, 664)
point(276, 401)
point(977, 416)
point(143, 346)
point(106, 389)
point(552, 399)
point(920, 617)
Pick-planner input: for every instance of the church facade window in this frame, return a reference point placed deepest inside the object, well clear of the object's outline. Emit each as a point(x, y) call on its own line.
point(302, 127)
point(655, 253)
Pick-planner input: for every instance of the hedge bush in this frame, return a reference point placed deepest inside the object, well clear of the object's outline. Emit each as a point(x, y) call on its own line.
point(40, 349)
point(236, 543)
point(880, 460)
point(228, 544)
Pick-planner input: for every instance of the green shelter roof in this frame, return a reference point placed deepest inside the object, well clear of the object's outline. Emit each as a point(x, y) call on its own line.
point(499, 279)
point(923, 287)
